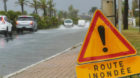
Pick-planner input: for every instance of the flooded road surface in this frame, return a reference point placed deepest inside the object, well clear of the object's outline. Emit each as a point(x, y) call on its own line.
point(23, 50)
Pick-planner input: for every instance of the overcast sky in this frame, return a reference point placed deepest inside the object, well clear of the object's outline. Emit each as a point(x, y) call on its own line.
point(82, 5)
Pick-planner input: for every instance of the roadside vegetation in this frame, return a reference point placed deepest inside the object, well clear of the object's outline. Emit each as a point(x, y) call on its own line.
point(135, 14)
point(51, 18)
point(133, 36)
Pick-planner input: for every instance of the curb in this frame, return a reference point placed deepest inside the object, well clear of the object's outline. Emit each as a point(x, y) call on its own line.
point(23, 69)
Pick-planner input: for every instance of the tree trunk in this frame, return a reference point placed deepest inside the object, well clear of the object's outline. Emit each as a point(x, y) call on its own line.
point(44, 11)
point(5, 6)
point(50, 12)
point(125, 18)
point(54, 13)
point(36, 10)
point(22, 8)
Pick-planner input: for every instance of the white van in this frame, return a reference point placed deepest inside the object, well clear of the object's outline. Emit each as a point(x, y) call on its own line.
point(81, 22)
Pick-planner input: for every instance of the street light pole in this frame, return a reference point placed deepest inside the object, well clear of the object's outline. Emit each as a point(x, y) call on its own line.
point(139, 15)
point(115, 13)
point(120, 14)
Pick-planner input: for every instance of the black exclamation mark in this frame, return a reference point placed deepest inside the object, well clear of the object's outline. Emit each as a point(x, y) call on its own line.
point(101, 31)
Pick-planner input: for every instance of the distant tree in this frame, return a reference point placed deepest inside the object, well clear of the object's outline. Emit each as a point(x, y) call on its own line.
point(22, 3)
point(5, 5)
point(65, 14)
point(125, 15)
point(34, 4)
point(73, 14)
point(91, 11)
point(134, 7)
point(54, 12)
point(43, 5)
point(60, 15)
point(3, 13)
point(50, 7)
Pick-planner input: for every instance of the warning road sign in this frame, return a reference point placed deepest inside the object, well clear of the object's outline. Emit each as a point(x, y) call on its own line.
point(103, 41)
point(110, 69)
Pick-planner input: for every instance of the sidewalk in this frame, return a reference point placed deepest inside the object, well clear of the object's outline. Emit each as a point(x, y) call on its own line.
point(61, 66)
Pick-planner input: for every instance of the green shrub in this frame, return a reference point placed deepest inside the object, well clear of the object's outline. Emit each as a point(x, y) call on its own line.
point(54, 23)
point(75, 20)
point(50, 22)
point(2, 13)
point(36, 16)
point(42, 24)
point(25, 13)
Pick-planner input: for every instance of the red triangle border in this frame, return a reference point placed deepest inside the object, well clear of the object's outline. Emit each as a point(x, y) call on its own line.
point(97, 15)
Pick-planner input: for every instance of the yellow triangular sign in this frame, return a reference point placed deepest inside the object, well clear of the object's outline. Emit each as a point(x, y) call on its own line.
point(103, 41)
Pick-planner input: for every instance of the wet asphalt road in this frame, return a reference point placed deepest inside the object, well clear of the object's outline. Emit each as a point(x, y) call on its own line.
point(23, 50)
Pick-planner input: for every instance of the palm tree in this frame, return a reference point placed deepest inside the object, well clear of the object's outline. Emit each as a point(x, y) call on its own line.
point(34, 5)
point(54, 12)
point(22, 3)
point(51, 7)
point(73, 13)
point(60, 15)
point(65, 14)
point(5, 5)
point(43, 6)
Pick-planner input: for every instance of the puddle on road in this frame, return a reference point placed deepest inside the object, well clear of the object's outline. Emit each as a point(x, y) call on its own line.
point(2, 43)
point(20, 38)
point(62, 27)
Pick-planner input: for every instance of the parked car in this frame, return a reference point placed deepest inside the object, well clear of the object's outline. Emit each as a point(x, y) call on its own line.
point(26, 23)
point(81, 22)
point(5, 26)
point(68, 23)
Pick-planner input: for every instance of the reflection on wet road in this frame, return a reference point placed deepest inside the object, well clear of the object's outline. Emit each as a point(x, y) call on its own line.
point(23, 50)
